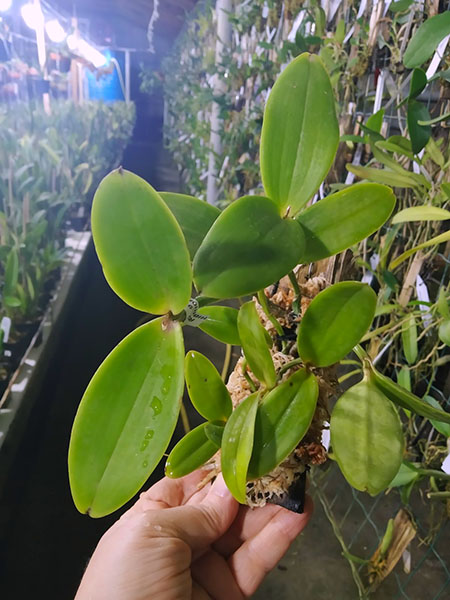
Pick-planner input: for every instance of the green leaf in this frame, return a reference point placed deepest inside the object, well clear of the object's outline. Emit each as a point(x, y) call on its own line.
point(11, 274)
point(335, 321)
point(194, 216)
point(254, 344)
point(344, 218)
point(382, 176)
point(190, 453)
point(409, 339)
point(351, 138)
point(397, 144)
point(206, 389)
point(444, 332)
point(12, 301)
point(237, 445)
point(140, 245)
point(402, 397)
point(221, 324)
point(400, 5)
point(444, 117)
point(214, 432)
point(404, 378)
point(419, 134)
point(375, 121)
point(282, 419)
point(418, 83)
point(406, 474)
point(242, 253)
point(300, 133)
point(126, 418)
point(367, 438)
point(426, 39)
point(439, 239)
point(421, 213)
point(442, 304)
point(443, 428)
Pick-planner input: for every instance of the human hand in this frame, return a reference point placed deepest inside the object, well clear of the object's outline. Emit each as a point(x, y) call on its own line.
point(181, 543)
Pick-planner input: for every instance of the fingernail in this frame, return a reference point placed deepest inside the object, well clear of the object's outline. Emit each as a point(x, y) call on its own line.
point(219, 487)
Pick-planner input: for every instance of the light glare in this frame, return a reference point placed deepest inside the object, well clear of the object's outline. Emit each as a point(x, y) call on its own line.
point(5, 5)
point(55, 31)
point(32, 15)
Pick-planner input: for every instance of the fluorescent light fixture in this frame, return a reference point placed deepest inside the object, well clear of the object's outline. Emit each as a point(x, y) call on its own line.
point(5, 5)
point(86, 51)
point(32, 15)
point(91, 54)
point(55, 31)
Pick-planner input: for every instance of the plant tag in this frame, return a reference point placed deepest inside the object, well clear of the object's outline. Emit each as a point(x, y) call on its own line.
point(446, 465)
point(192, 317)
point(5, 326)
point(422, 294)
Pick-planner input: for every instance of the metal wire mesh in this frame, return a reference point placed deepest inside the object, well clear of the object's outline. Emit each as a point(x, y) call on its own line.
point(359, 523)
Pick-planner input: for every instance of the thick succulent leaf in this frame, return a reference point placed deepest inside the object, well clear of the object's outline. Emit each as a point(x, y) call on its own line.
point(442, 304)
point(190, 453)
point(421, 213)
point(140, 245)
point(254, 344)
point(409, 339)
point(335, 321)
point(426, 39)
point(237, 445)
point(214, 432)
point(419, 134)
point(367, 438)
point(194, 216)
point(282, 419)
point(407, 400)
point(406, 474)
point(243, 253)
point(300, 133)
point(344, 218)
point(418, 83)
point(126, 418)
point(221, 324)
point(206, 389)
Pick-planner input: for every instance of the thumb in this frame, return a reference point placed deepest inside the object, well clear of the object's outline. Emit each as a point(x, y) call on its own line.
point(201, 524)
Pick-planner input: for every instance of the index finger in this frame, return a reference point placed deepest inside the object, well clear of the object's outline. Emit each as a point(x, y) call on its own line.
point(260, 554)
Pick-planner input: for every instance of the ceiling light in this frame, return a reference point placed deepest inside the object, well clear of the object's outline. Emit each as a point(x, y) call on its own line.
point(32, 15)
point(55, 31)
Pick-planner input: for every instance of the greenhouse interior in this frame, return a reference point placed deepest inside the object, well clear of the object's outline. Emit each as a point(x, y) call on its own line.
point(225, 299)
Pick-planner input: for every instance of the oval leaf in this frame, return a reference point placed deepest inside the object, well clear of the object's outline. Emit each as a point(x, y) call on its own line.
point(254, 344)
point(443, 428)
point(406, 474)
point(409, 339)
point(418, 83)
point(194, 216)
point(421, 213)
point(366, 438)
point(190, 453)
point(126, 418)
point(419, 134)
point(242, 253)
point(282, 419)
point(407, 400)
point(11, 275)
point(335, 321)
point(344, 218)
point(237, 445)
point(426, 39)
point(140, 245)
point(300, 133)
point(221, 324)
point(206, 389)
point(444, 332)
